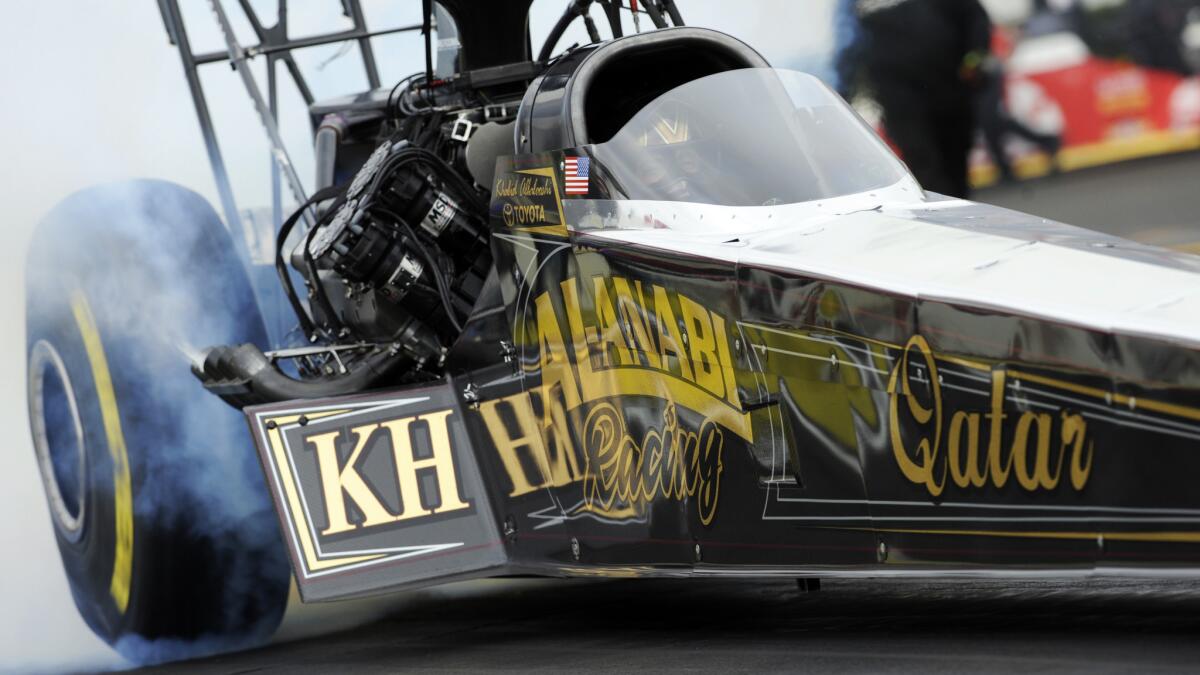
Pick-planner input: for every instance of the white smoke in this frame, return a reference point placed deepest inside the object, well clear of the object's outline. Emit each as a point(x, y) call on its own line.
point(160, 276)
point(94, 93)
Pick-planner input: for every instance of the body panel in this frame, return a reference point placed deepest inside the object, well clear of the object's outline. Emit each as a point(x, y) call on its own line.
point(812, 397)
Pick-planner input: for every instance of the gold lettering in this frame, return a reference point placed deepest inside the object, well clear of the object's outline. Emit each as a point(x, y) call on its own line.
point(555, 365)
point(524, 214)
point(925, 470)
point(1074, 429)
point(1034, 466)
point(535, 187)
point(630, 310)
point(670, 342)
point(505, 187)
point(561, 462)
point(708, 482)
point(731, 393)
point(670, 462)
point(407, 465)
point(591, 387)
point(1046, 479)
point(610, 328)
point(338, 480)
point(965, 472)
point(703, 345)
point(999, 472)
point(528, 438)
point(1019, 455)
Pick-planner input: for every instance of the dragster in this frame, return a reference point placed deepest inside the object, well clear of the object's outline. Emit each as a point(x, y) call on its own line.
point(643, 307)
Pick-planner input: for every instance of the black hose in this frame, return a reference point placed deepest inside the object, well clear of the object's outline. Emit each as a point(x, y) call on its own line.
point(655, 15)
point(593, 34)
point(444, 171)
point(560, 27)
point(673, 11)
point(315, 278)
point(285, 279)
point(398, 160)
point(612, 10)
point(431, 264)
point(243, 375)
point(392, 102)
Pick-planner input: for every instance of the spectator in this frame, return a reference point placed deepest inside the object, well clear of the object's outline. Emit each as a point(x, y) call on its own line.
point(920, 58)
point(1156, 34)
point(994, 119)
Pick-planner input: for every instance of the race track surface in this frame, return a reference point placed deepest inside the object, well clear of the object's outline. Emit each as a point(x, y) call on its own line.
point(875, 626)
point(860, 626)
point(1155, 201)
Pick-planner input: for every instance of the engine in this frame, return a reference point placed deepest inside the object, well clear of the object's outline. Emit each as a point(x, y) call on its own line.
point(402, 257)
point(381, 281)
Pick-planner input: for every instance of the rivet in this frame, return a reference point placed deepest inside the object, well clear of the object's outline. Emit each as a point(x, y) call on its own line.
point(697, 552)
point(303, 420)
point(883, 551)
point(575, 549)
point(470, 394)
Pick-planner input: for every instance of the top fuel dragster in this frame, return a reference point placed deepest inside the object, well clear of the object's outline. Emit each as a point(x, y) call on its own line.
point(642, 307)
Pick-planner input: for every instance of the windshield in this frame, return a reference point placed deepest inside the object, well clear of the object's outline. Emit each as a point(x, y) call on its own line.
point(751, 137)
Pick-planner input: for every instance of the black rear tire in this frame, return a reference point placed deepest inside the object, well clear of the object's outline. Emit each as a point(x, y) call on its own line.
point(160, 510)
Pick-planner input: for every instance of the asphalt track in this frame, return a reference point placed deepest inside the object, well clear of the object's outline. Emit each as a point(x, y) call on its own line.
point(865, 626)
point(1155, 201)
point(1097, 625)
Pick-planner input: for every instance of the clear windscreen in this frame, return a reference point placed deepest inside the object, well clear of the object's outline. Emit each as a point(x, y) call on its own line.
point(751, 137)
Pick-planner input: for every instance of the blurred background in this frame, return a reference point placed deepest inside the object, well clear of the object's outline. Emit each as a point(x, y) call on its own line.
point(1030, 87)
point(1081, 110)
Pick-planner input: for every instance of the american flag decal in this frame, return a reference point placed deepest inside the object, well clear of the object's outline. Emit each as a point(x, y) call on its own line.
point(575, 174)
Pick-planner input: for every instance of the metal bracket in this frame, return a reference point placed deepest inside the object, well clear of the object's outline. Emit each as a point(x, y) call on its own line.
point(470, 395)
point(495, 111)
point(463, 128)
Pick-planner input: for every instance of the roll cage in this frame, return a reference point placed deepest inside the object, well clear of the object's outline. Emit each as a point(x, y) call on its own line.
point(488, 35)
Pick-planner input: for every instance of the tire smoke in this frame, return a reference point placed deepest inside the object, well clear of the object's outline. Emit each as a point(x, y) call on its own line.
point(160, 276)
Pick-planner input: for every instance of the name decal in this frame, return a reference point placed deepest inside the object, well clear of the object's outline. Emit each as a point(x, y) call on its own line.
point(606, 339)
point(975, 448)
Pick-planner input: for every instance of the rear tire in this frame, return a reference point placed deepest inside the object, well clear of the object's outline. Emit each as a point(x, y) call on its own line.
point(160, 510)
